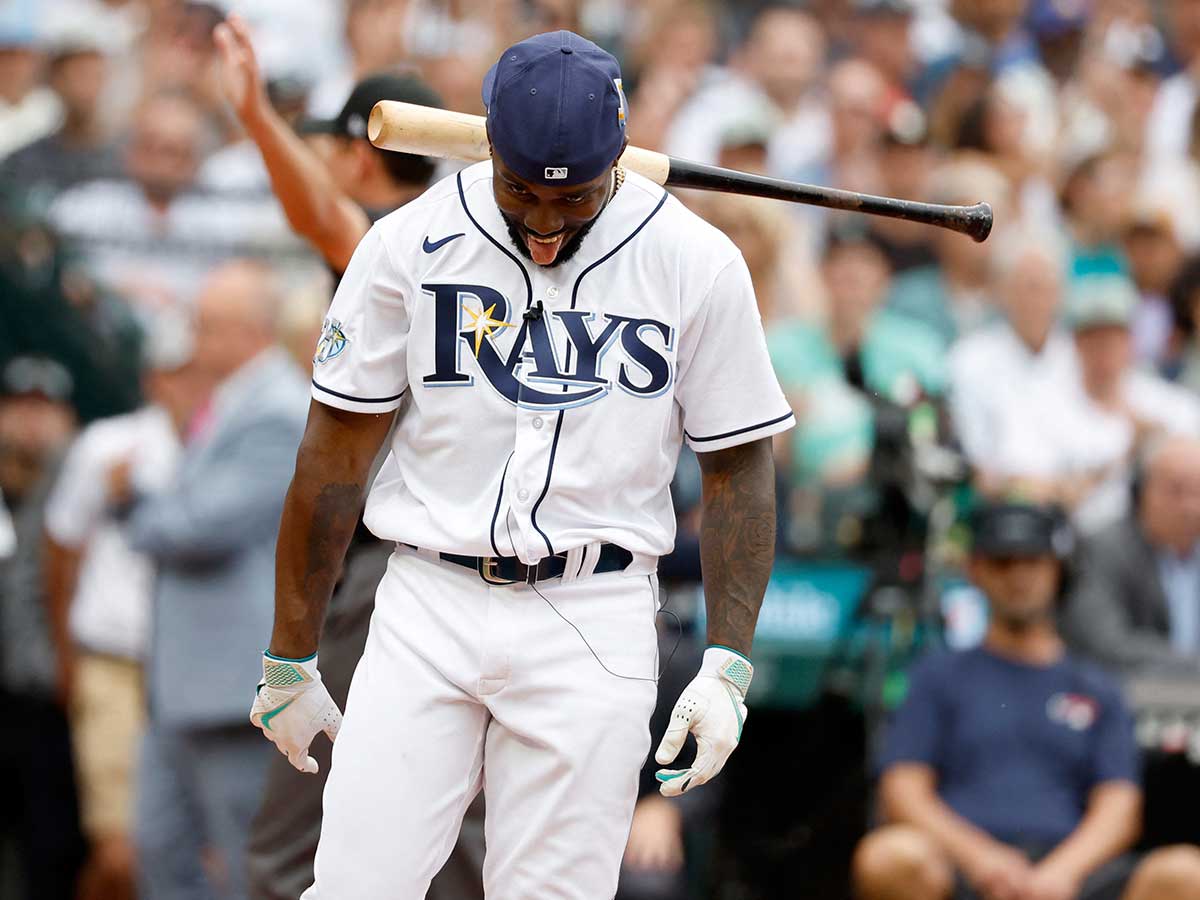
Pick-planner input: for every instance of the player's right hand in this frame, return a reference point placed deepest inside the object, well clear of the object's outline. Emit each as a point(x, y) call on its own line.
point(292, 705)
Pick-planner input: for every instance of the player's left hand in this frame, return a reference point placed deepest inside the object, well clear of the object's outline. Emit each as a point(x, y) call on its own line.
point(712, 708)
point(291, 706)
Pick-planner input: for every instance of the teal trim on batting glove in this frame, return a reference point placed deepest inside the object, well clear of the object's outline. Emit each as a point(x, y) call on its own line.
point(269, 655)
point(731, 650)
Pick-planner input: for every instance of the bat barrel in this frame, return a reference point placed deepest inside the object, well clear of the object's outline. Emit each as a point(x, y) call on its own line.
point(975, 221)
point(978, 219)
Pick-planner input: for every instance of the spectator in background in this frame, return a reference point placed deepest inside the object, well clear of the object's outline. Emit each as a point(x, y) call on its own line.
point(1185, 314)
point(301, 320)
point(99, 594)
point(995, 128)
point(766, 235)
point(1122, 407)
point(953, 296)
point(857, 100)
point(38, 810)
point(1011, 769)
point(1095, 201)
point(874, 349)
point(837, 375)
point(1168, 128)
point(177, 55)
point(211, 535)
point(905, 162)
point(880, 32)
point(376, 37)
point(1152, 245)
point(673, 58)
point(48, 309)
point(28, 109)
point(1136, 606)
point(80, 148)
point(997, 371)
point(780, 63)
point(152, 237)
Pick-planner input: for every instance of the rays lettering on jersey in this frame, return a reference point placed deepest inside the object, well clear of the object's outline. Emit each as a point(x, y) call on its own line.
point(475, 321)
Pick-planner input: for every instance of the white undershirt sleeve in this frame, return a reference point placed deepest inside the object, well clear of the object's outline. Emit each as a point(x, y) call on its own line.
point(78, 499)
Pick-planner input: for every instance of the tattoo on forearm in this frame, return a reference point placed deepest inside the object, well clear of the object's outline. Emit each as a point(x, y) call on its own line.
point(737, 540)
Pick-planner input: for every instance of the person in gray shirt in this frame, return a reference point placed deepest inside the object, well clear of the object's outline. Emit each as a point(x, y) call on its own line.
point(1136, 606)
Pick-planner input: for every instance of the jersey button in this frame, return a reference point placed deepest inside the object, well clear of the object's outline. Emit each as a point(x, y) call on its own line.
point(522, 495)
point(537, 422)
point(552, 291)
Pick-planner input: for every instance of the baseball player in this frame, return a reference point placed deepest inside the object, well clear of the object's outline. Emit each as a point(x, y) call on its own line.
point(551, 329)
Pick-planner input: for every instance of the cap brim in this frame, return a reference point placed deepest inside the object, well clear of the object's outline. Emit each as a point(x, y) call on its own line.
point(1086, 324)
point(318, 126)
point(1013, 549)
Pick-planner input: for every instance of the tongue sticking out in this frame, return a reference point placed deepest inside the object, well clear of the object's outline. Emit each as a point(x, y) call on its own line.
point(543, 252)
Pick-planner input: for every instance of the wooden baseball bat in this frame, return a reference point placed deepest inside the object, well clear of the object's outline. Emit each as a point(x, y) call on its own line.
point(408, 128)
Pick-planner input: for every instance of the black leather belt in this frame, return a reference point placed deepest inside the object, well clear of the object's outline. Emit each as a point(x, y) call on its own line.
point(510, 570)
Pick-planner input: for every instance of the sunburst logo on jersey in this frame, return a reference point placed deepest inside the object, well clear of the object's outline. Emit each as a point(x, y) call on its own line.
point(331, 343)
point(484, 325)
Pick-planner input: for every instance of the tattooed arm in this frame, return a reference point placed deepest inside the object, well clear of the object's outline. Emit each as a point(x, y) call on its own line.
point(319, 516)
point(737, 539)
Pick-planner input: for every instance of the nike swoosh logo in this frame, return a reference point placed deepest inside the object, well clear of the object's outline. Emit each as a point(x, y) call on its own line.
point(268, 716)
point(429, 247)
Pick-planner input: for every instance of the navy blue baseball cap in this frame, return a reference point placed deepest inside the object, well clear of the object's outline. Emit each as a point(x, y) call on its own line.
point(555, 108)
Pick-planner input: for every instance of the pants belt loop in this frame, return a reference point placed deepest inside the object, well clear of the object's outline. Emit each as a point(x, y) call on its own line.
point(589, 557)
point(574, 560)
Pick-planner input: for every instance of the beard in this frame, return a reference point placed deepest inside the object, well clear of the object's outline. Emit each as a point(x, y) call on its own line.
point(569, 248)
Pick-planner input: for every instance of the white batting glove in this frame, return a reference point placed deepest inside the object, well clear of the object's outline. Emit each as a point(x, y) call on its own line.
point(713, 708)
point(292, 705)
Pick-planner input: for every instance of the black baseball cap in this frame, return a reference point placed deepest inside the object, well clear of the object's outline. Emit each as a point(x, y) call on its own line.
point(1018, 530)
point(351, 122)
point(556, 110)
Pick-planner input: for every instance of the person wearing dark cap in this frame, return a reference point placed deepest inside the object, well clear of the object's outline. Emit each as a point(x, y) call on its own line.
point(1011, 770)
point(551, 328)
point(331, 202)
point(39, 818)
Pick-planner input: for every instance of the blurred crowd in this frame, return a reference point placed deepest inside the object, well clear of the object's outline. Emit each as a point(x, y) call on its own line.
point(180, 190)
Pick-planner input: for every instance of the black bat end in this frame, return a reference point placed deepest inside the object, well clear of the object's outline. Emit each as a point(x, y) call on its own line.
point(979, 222)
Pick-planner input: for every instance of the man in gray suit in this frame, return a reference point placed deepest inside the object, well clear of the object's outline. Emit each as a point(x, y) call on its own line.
point(1136, 606)
point(212, 536)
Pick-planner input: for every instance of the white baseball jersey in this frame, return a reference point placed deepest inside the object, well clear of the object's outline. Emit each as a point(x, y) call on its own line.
point(544, 408)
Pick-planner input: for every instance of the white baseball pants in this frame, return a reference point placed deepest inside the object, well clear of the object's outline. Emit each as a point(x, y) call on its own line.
point(466, 685)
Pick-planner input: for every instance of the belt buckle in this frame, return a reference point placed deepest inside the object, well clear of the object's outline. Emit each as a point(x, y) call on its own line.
point(487, 571)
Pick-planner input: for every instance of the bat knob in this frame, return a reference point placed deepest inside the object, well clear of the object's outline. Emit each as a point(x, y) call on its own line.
point(978, 222)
